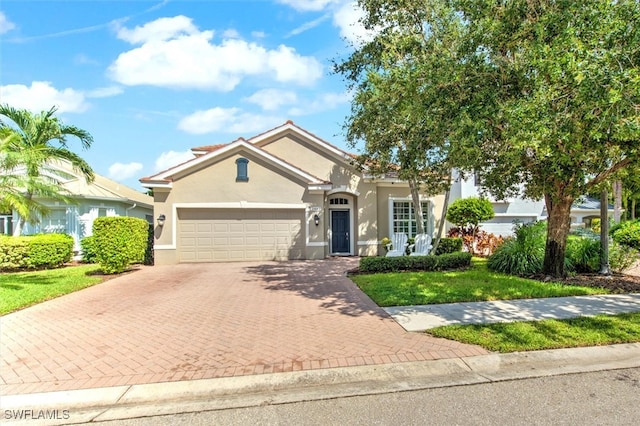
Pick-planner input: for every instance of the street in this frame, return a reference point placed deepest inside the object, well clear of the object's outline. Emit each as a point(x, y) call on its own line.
point(601, 398)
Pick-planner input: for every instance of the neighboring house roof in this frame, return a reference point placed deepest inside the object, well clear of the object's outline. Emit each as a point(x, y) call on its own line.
point(588, 203)
point(101, 188)
point(208, 153)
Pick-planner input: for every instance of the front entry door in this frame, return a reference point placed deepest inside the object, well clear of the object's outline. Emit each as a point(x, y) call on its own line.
point(340, 231)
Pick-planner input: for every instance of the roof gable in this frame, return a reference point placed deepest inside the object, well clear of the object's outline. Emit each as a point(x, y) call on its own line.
point(165, 178)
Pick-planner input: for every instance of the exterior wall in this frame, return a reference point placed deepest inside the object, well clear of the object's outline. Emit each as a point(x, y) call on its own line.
point(77, 220)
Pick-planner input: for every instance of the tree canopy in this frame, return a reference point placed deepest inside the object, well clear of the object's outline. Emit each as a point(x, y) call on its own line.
point(543, 97)
point(29, 143)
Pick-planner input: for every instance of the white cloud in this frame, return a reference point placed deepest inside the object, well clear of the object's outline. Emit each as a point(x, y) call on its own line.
point(159, 30)
point(105, 92)
point(325, 102)
point(231, 33)
point(169, 159)
point(228, 120)
point(120, 171)
point(41, 96)
point(347, 18)
point(5, 24)
point(176, 54)
point(308, 5)
point(272, 99)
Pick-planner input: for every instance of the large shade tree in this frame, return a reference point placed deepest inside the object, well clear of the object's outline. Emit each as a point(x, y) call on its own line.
point(402, 82)
point(547, 94)
point(30, 143)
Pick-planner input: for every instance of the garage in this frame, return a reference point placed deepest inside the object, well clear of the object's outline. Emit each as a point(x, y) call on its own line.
point(217, 235)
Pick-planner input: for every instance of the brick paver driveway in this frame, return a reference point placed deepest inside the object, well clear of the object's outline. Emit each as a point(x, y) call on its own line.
point(193, 321)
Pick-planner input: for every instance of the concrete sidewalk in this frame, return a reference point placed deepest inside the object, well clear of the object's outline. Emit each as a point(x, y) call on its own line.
point(146, 400)
point(420, 318)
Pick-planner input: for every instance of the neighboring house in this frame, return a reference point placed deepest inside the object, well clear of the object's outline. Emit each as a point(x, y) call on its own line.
point(512, 210)
point(283, 194)
point(102, 197)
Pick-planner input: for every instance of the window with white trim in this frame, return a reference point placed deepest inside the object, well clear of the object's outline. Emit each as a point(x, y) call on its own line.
point(404, 217)
point(339, 201)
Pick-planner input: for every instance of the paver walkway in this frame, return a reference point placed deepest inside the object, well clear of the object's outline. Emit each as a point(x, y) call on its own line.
point(192, 321)
point(420, 318)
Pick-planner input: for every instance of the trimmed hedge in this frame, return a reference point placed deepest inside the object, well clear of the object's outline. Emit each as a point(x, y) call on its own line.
point(371, 265)
point(35, 251)
point(119, 242)
point(88, 245)
point(449, 245)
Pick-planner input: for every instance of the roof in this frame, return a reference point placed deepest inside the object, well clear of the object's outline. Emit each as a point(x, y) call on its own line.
point(206, 152)
point(101, 188)
point(588, 203)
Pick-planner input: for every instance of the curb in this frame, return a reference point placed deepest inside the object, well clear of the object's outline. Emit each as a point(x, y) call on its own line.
point(127, 402)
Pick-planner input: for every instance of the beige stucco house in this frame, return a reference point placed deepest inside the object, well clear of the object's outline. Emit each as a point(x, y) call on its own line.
point(283, 194)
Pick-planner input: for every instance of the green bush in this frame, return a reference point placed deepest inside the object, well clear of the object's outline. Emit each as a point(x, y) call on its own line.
point(35, 251)
point(119, 242)
point(621, 257)
point(449, 245)
point(88, 245)
point(583, 254)
point(523, 254)
point(468, 212)
point(628, 234)
point(372, 265)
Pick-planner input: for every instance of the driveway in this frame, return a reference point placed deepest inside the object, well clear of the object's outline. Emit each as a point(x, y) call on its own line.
point(194, 321)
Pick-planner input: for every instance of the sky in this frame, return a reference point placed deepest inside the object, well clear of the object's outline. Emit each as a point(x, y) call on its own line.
point(151, 79)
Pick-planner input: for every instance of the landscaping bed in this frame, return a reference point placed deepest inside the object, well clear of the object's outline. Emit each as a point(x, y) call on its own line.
point(615, 283)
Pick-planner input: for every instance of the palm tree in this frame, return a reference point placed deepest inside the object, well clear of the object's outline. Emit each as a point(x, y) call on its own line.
point(27, 149)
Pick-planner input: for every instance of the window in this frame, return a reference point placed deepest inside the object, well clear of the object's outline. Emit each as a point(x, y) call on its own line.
point(242, 175)
point(404, 217)
point(338, 201)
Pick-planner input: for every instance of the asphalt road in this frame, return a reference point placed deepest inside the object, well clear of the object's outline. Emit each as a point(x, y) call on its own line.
point(601, 398)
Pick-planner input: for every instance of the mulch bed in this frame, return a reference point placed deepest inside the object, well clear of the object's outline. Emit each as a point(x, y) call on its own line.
point(616, 283)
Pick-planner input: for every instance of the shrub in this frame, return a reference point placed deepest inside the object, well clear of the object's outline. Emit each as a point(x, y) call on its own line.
point(88, 245)
point(415, 263)
point(523, 254)
point(583, 254)
point(480, 243)
point(469, 212)
point(449, 245)
point(621, 257)
point(628, 234)
point(119, 241)
point(35, 251)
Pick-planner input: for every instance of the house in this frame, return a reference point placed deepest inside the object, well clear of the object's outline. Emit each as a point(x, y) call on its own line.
point(283, 194)
point(102, 197)
point(512, 210)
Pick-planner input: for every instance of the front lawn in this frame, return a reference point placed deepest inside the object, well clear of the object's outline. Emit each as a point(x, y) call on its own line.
point(21, 289)
point(546, 334)
point(472, 285)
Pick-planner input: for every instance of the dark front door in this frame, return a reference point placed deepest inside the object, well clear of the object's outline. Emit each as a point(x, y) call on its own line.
point(340, 231)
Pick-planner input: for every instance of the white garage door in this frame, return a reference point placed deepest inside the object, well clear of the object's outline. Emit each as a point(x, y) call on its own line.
point(215, 235)
point(503, 225)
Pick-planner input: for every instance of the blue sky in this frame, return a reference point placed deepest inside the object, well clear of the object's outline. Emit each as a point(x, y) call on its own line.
point(151, 79)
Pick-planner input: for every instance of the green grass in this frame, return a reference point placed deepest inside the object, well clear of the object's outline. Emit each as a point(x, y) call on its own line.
point(21, 289)
point(546, 334)
point(472, 285)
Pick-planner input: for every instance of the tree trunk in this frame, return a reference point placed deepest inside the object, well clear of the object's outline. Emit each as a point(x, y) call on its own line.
point(633, 209)
point(558, 227)
point(617, 197)
point(443, 218)
point(414, 187)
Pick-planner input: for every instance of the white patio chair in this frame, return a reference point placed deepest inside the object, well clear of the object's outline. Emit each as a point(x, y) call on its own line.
point(421, 245)
point(397, 246)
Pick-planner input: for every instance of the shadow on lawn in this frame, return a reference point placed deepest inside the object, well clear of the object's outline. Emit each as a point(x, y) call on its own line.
point(323, 280)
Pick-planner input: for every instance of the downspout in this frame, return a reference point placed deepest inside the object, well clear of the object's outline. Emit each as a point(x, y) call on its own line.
point(129, 208)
